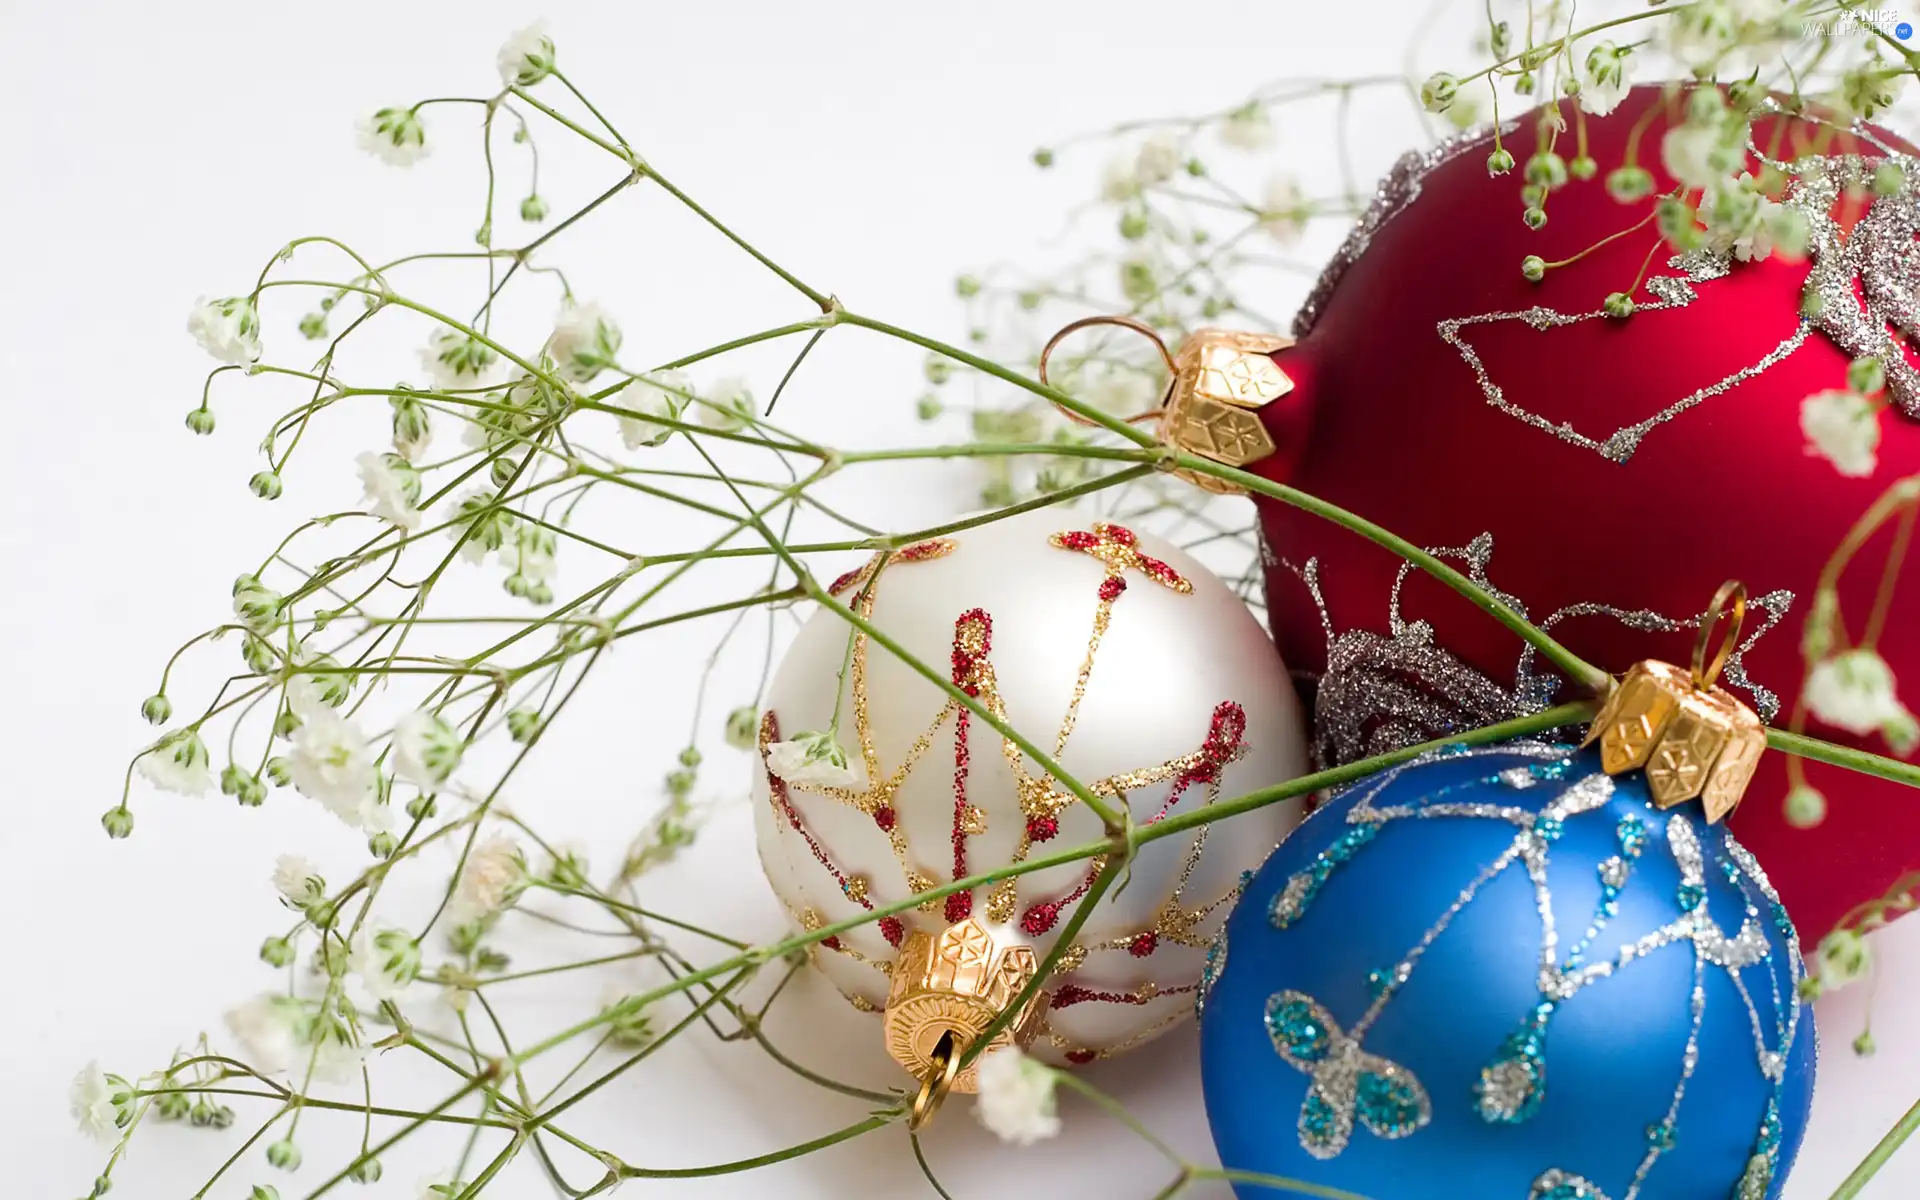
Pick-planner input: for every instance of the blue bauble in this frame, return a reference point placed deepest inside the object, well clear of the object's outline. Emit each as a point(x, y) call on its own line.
point(1501, 974)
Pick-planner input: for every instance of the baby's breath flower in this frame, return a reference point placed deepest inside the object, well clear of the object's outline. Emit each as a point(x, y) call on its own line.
point(299, 882)
point(1438, 92)
point(655, 394)
point(1284, 215)
point(728, 406)
point(178, 764)
point(392, 487)
point(527, 57)
point(426, 749)
point(743, 727)
point(1700, 34)
point(1694, 154)
point(494, 875)
point(457, 361)
point(412, 429)
point(281, 1034)
point(1119, 183)
point(1842, 958)
point(228, 329)
point(533, 209)
point(816, 759)
point(330, 762)
point(259, 607)
point(1159, 157)
point(386, 960)
point(1016, 1097)
point(1866, 89)
point(1854, 691)
point(584, 341)
point(482, 524)
point(1248, 127)
point(102, 1104)
point(156, 709)
point(1842, 427)
point(395, 136)
point(1607, 78)
point(266, 484)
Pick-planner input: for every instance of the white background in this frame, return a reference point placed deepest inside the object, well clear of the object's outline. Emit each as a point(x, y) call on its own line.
point(153, 152)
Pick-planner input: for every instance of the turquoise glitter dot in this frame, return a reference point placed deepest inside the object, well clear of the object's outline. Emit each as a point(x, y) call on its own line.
point(1296, 1030)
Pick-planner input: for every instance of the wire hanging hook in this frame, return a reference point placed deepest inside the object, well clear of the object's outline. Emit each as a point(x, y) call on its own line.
point(1138, 326)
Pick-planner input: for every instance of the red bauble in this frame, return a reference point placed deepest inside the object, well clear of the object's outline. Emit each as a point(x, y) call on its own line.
point(1605, 530)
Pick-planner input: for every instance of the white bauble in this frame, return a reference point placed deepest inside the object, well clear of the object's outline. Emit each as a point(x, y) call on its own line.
point(1182, 700)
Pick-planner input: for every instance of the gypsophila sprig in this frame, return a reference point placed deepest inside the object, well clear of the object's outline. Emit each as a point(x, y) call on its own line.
point(369, 660)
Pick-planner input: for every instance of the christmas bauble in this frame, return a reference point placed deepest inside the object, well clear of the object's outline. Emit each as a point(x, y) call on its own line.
point(1440, 394)
point(1505, 973)
point(1139, 671)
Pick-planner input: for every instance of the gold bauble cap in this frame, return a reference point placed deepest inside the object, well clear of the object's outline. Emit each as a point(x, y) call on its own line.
point(1690, 736)
point(947, 989)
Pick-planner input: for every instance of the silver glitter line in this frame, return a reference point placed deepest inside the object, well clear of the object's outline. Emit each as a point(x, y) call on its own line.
point(1619, 445)
point(1398, 189)
point(1689, 1061)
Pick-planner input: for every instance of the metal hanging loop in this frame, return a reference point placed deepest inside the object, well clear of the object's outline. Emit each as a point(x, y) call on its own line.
point(1138, 326)
point(1705, 672)
point(939, 1081)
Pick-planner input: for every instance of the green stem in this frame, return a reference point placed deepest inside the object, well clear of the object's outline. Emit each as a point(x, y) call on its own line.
point(1877, 1158)
point(877, 1121)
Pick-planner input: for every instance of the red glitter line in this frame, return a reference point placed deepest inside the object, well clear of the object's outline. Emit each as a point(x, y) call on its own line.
point(783, 804)
point(1043, 916)
point(966, 677)
point(1223, 745)
point(1069, 994)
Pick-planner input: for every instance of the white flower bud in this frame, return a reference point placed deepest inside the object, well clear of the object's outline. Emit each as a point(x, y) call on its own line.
point(228, 329)
point(395, 136)
point(527, 57)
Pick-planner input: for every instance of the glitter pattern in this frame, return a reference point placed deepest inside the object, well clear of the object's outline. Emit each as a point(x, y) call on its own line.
point(1381, 693)
point(1867, 280)
point(1513, 1086)
point(1347, 1082)
point(1400, 188)
point(1188, 777)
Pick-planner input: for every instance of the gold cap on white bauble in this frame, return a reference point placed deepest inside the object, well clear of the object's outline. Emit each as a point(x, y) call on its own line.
point(1142, 674)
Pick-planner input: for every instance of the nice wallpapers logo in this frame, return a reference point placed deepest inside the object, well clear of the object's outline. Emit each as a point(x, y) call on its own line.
point(1889, 21)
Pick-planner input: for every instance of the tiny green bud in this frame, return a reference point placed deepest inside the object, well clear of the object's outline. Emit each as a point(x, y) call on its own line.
point(540, 593)
point(118, 822)
point(252, 793)
point(382, 845)
point(1029, 300)
point(966, 286)
point(156, 708)
point(200, 420)
point(1534, 268)
point(1618, 304)
point(1547, 169)
point(231, 777)
point(279, 771)
point(523, 725)
point(1806, 807)
point(1866, 375)
point(365, 1171)
point(1524, 85)
point(939, 369)
point(1888, 178)
point(266, 485)
point(222, 1116)
point(172, 1106)
point(690, 758)
point(1535, 217)
point(202, 1114)
point(1133, 225)
point(420, 807)
point(1499, 162)
point(483, 236)
point(1583, 167)
point(264, 1191)
point(679, 783)
point(533, 209)
point(928, 407)
point(1438, 92)
point(313, 326)
point(1811, 302)
point(284, 1155)
point(1864, 1045)
point(1628, 184)
point(276, 952)
point(1043, 158)
point(743, 727)
point(502, 470)
point(103, 1185)
point(285, 724)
